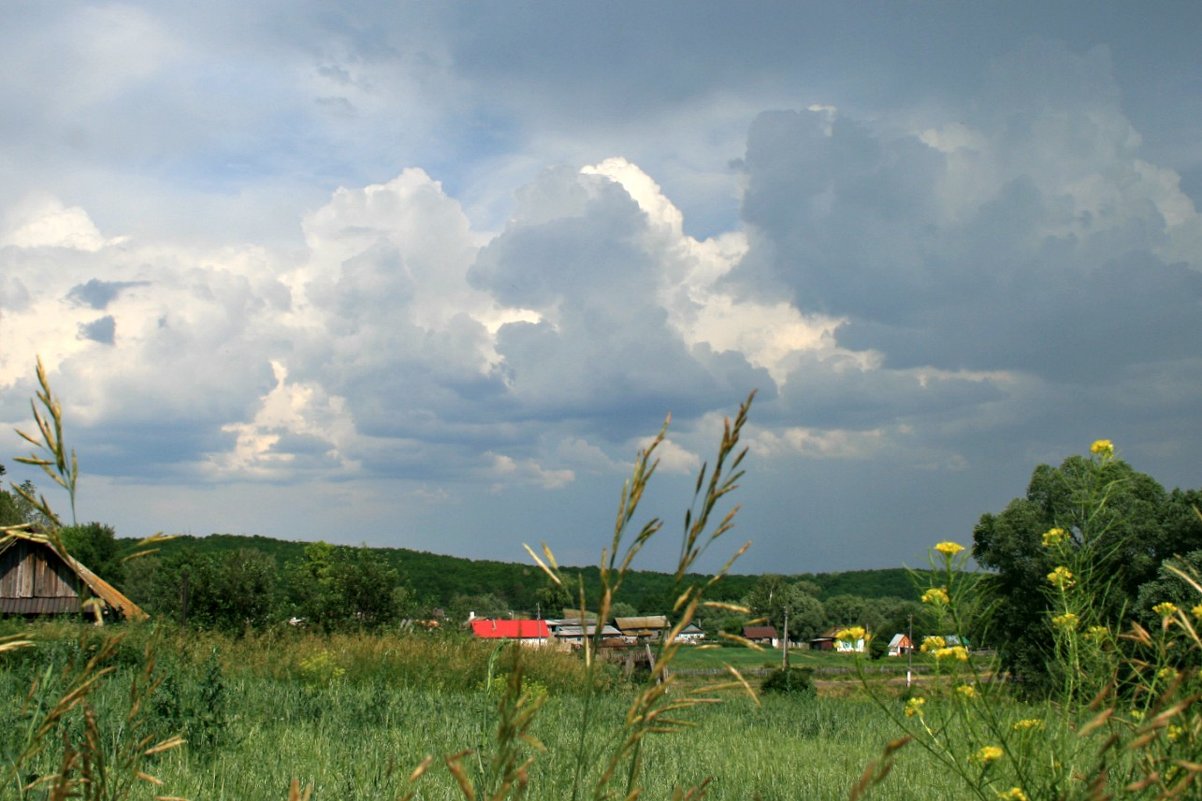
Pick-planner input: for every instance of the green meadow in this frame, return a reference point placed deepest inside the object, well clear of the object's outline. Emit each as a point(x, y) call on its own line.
point(351, 716)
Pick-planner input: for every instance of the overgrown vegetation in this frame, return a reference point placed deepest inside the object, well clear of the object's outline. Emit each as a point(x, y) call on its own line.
point(1120, 715)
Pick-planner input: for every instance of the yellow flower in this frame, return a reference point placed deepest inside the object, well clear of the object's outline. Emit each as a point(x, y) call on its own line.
point(853, 634)
point(1102, 448)
point(914, 707)
point(1053, 537)
point(1166, 673)
point(931, 643)
point(967, 691)
point(988, 753)
point(1061, 578)
point(1066, 621)
point(957, 652)
point(1165, 609)
point(1137, 714)
point(1174, 733)
point(1027, 724)
point(1197, 610)
point(1097, 633)
point(1013, 794)
point(949, 548)
point(936, 596)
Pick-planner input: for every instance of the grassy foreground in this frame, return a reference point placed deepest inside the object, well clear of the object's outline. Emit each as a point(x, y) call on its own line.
point(352, 715)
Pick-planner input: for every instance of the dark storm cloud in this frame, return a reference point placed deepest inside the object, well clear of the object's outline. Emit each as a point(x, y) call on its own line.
point(98, 294)
point(102, 330)
point(1050, 264)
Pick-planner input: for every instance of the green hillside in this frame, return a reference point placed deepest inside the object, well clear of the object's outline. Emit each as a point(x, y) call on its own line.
point(438, 579)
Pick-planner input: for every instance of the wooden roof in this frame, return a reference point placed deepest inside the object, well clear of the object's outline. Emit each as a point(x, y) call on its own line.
point(40, 579)
point(646, 622)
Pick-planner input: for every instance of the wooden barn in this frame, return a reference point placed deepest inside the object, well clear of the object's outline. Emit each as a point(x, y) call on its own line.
point(37, 579)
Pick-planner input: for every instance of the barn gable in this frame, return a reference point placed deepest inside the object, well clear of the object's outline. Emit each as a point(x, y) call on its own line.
point(36, 579)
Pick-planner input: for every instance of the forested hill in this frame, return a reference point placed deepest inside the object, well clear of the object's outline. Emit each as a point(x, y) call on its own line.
point(438, 579)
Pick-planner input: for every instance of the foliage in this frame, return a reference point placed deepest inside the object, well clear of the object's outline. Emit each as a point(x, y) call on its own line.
point(437, 581)
point(1123, 718)
point(338, 586)
point(1121, 521)
point(231, 592)
point(790, 681)
point(15, 509)
point(95, 545)
point(774, 597)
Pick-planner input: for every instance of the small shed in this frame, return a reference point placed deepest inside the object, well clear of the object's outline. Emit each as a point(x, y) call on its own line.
point(900, 645)
point(36, 578)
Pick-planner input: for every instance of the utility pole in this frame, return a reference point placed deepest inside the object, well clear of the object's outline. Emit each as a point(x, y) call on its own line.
point(910, 651)
point(784, 644)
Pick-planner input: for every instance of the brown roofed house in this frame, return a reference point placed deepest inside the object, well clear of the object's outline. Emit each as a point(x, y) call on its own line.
point(36, 578)
point(763, 635)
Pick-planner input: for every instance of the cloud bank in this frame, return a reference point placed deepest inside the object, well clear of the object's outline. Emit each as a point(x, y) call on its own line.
point(929, 296)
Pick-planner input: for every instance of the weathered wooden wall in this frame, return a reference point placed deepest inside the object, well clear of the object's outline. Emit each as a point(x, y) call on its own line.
point(33, 580)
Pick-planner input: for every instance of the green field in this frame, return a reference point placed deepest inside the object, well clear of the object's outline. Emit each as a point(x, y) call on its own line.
point(352, 715)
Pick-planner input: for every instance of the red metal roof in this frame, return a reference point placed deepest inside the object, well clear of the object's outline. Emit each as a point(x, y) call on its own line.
point(510, 629)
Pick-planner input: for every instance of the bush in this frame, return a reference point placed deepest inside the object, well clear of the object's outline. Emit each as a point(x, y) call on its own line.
point(790, 681)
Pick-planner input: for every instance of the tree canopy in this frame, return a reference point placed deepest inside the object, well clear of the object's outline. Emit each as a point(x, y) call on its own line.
point(1123, 523)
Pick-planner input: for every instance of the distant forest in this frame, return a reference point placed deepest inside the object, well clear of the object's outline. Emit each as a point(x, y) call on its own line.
point(439, 580)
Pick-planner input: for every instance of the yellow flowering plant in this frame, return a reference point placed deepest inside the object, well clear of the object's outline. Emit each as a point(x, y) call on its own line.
point(1124, 717)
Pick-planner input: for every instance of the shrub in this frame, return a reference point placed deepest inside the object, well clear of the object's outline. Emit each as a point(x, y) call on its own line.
point(794, 681)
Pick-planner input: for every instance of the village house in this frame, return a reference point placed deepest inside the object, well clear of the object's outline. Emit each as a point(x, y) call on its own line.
point(647, 628)
point(827, 641)
point(762, 635)
point(37, 579)
point(574, 634)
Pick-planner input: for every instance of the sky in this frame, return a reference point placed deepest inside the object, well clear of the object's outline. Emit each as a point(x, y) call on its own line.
point(429, 275)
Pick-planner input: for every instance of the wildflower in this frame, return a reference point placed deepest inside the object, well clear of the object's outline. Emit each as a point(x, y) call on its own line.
point(1174, 733)
point(1061, 578)
point(1137, 715)
point(853, 634)
point(1166, 673)
point(1053, 537)
point(914, 707)
point(1102, 448)
point(1026, 724)
point(949, 549)
point(1097, 633)
point(1197, 610)
point(936, 596)
point(988, 753)
point(1013, 794)
point(1165, 609)
point(1066, 621)
point(967, 691)
point(931, 643)
point(957, 652)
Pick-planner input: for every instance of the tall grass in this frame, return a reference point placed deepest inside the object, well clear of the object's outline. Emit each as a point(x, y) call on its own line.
point(361, 734)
